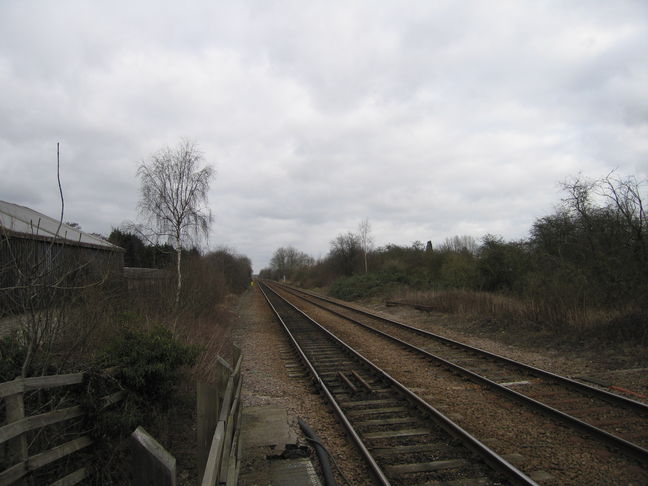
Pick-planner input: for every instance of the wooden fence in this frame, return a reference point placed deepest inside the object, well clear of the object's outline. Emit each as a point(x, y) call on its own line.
point(14, 451)
point(219, 421)
point(219, 418)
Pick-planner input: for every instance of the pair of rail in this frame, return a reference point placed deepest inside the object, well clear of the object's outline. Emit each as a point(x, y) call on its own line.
point(409, 439)
point(629, 448)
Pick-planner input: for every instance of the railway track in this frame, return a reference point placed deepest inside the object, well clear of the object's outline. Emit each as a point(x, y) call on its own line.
point(404, 440)
point(616, 420)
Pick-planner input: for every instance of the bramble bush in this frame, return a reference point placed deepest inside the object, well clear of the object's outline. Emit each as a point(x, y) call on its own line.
point(149, 362)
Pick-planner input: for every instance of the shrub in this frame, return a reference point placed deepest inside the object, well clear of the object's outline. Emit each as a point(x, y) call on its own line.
point(149, 362)
point(459, 271)
point(371, 284)
point(629, 327)
point(147, 365)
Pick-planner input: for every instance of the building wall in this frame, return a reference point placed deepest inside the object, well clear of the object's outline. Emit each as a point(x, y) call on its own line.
point(27, 265)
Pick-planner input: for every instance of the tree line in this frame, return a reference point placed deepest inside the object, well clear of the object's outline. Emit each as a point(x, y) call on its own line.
point(590, 253)
point(235, 269)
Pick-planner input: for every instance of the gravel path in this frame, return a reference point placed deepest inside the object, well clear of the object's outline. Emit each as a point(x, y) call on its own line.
point(545, 446)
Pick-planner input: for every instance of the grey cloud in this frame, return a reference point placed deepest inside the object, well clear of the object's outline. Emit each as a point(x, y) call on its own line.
point(429, 118)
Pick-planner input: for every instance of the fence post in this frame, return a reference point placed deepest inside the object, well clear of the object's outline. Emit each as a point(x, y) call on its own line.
point(236, 354)
point(152, 465)
point(208, 401)
point(17, 447)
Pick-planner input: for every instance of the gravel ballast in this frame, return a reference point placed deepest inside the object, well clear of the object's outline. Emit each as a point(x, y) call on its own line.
point(267, 363)
point(539, 446)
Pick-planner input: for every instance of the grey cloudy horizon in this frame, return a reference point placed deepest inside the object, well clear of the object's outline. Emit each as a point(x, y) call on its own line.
point(430, 119)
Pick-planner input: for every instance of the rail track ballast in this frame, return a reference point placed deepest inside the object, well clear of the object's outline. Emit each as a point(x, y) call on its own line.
point(615, 420)
point(404, 440)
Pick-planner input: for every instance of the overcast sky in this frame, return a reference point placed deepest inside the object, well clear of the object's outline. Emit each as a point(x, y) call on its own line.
point(429, 118)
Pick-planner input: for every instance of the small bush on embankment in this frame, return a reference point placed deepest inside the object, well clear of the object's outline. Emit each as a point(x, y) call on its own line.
point(147, 365)
point(372, 284)
point(149, 362)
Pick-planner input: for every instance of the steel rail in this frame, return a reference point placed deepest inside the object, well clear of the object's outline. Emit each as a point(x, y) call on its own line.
point(495, 461)
point(532, 369)
point(378, 473)
point(625, 446)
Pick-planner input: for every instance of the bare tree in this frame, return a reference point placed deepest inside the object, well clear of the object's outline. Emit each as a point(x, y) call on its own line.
point(625, 197)
point(287, 261)
point(366, 240)
point(458, 244)
point(345, 253)
point(174, 190)
point(619, 199)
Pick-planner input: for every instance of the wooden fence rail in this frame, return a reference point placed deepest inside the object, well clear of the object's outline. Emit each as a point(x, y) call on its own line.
point(13, 435)
point(223, 462)
point(219, 421)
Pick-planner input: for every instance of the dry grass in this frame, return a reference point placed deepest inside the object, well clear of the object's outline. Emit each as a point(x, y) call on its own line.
point(212, 335)
point(624, 323)
point(98, 316)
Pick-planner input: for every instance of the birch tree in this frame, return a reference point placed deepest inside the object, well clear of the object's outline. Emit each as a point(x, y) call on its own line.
point(366, 240)
point(173, 197)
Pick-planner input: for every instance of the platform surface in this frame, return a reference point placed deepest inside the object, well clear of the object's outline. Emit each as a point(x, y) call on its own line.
point(265, 434)
point(266, 426)
point(287, 472)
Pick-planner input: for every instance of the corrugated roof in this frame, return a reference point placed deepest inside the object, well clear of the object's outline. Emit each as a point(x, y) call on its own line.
point(29, 223)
